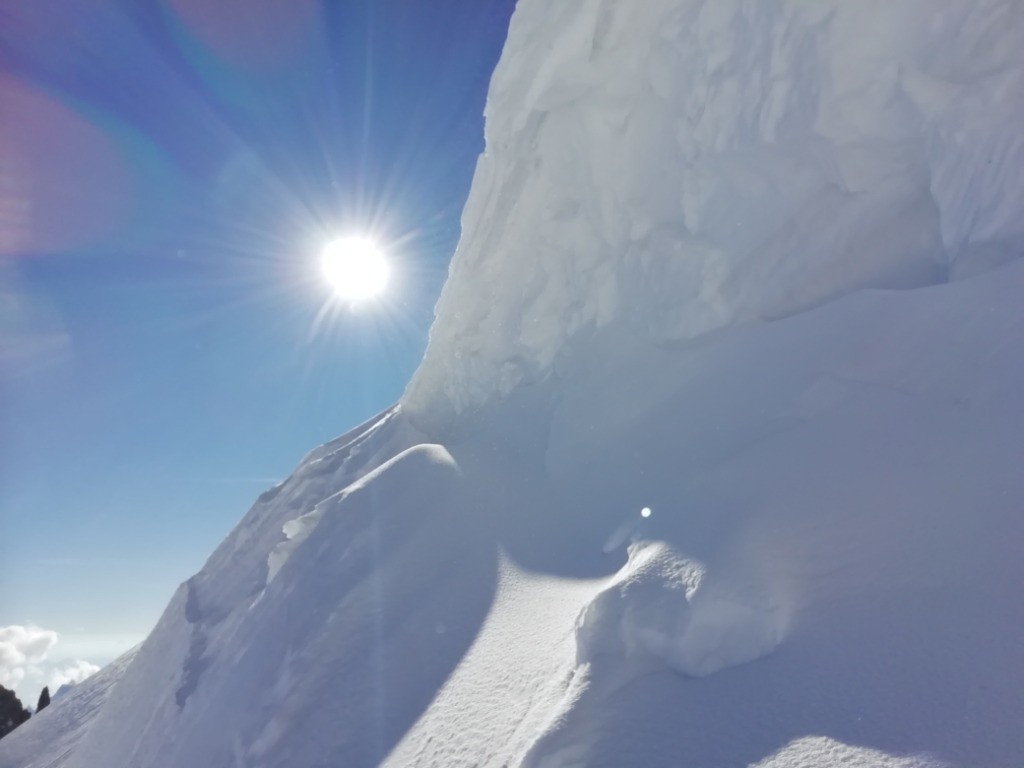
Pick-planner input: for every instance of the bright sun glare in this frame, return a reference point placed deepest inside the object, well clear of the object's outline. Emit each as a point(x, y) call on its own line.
point(355, 267)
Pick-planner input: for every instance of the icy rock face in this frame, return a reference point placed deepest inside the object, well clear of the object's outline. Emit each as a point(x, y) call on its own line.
point(668, 166)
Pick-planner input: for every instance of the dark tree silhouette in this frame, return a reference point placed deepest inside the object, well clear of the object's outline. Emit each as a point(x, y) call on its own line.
point(12, 714)
point(44, 699)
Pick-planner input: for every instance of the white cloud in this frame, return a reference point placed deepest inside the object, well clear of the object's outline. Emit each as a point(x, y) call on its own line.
point(21, 648)
point(73, 673)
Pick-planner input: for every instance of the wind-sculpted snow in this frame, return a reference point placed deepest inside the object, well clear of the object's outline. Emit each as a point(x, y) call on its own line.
point(831, 559)
point(828, 574)
point(676, 166)
point(663, 611)
point(318, 653)
point(699, 540)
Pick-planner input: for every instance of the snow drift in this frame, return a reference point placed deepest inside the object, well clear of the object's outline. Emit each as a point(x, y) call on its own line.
point(659, 612)
point(658, 303)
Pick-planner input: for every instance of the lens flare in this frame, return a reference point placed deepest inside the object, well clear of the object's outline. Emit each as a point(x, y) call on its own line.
point(355, 268)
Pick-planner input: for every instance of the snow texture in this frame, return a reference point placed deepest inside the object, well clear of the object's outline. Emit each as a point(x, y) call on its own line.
point(656, 304)
point(49, 737)
point(677, 166)
point(829, 577)
point(661, 611)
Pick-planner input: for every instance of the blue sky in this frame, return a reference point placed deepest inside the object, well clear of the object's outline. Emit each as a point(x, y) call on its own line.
point(168, 171)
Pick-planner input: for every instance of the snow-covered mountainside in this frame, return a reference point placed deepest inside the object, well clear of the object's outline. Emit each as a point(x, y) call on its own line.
point(676, 166)
point(709, 462)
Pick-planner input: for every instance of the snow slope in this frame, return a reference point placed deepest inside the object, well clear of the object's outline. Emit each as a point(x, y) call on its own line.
point(49, 737)
point(659, 303)
point(829, 575)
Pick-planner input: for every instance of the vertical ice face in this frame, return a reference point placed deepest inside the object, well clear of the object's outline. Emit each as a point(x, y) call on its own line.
point(679, 165)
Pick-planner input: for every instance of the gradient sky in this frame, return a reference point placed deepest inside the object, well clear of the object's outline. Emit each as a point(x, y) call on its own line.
point(168, 171)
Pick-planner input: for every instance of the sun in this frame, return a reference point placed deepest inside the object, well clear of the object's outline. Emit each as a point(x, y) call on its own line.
point(355, 268)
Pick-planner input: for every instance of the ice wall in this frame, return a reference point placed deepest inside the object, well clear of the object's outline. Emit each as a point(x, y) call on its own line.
point(676, 166)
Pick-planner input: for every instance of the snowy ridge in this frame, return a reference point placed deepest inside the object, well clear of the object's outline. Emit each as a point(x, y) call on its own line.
point(659, 612)
point(676, 166)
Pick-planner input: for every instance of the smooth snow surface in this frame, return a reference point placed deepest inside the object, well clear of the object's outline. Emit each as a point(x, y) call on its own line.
point(676, 166)
point(830, 574)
